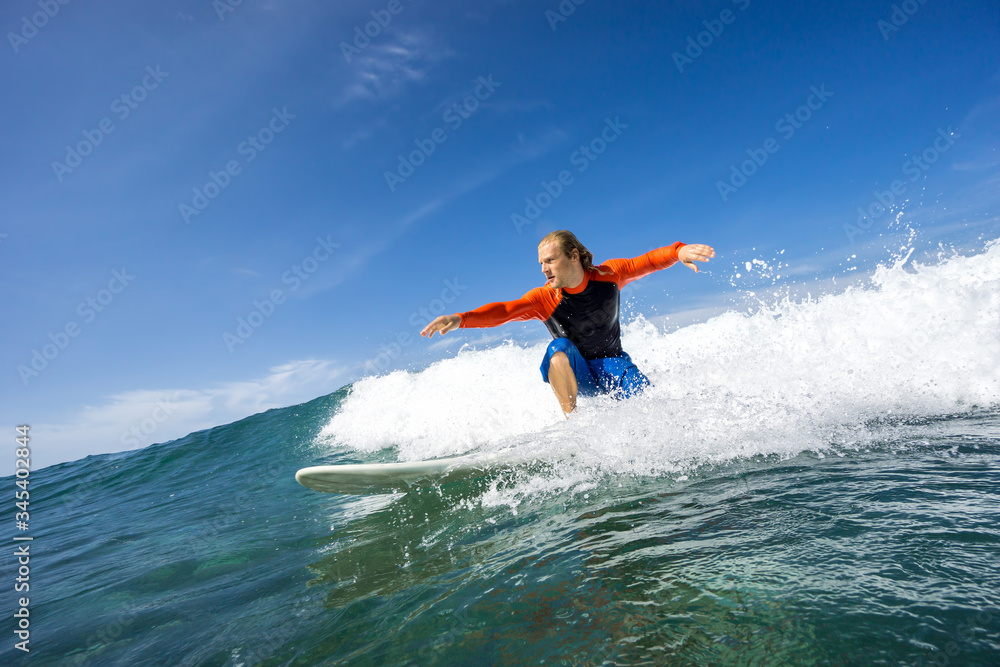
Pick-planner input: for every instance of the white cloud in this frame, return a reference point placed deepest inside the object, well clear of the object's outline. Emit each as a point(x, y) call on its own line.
point(389, 64)
point(979, 137)
point(139, 418)
point(362, 255)
point(364, 132)
point(545, 141)
point(480, 338)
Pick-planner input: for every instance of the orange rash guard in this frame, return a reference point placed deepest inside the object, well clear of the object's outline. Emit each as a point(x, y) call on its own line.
point(588, 314)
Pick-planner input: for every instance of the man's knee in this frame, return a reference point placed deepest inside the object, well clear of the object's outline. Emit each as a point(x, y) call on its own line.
point(559, 360)
point(557, 345)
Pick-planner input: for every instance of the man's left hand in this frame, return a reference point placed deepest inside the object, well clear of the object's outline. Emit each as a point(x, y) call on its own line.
point(697, 252)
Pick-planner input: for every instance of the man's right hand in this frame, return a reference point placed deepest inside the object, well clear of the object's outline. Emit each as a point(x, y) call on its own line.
point(444, 324)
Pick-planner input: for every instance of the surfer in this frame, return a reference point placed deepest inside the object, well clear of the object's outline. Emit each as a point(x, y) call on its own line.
point(579, 304)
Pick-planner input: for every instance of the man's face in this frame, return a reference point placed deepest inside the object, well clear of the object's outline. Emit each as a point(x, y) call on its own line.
point(560, 271)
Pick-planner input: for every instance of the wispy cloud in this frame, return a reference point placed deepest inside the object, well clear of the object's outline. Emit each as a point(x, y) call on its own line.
point(359, 257)
point(141, 417)
point(981, 136)
point(487, 337)
point(541, 143)
point(365, 132)
point(520, 106)
point(386, 68)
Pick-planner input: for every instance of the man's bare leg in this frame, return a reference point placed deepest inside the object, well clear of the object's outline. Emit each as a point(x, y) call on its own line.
point(563, 382)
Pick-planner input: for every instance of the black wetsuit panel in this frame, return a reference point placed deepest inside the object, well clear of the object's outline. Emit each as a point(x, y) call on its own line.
point(589, 320)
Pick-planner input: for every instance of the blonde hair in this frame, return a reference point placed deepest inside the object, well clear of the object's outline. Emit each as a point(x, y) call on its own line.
point(567, 242)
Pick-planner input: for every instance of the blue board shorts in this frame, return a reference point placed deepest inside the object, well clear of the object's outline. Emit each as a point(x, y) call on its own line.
point(617, 376)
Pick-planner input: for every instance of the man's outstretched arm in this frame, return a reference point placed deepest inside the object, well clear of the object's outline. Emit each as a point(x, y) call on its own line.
point(490, 315)
point(659, 259)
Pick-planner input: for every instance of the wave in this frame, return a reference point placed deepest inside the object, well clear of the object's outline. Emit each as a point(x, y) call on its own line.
point(912, 341)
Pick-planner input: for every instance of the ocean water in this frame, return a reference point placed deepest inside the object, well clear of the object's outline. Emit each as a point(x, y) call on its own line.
point(810, 481)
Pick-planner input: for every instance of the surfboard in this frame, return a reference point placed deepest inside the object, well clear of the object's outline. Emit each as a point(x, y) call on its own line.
point(372, 478)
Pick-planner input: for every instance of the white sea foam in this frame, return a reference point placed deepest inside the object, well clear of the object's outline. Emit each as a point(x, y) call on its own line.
point(915, 340)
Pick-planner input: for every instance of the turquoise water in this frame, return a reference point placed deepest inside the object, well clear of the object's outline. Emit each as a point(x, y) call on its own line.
point(815, 482)
point(205, 551)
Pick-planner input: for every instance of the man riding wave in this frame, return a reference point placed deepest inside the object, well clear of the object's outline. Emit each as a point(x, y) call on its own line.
point(579, 305)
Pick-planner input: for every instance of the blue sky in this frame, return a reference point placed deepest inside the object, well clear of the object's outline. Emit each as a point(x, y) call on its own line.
point(261, 106)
